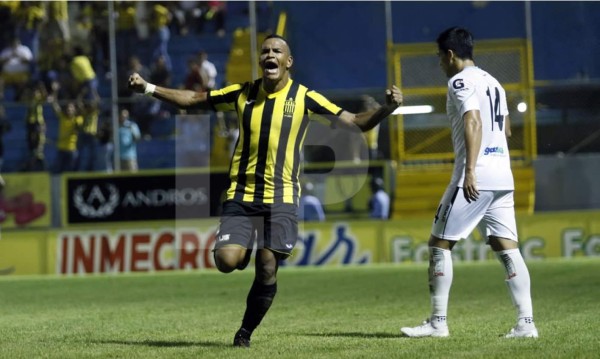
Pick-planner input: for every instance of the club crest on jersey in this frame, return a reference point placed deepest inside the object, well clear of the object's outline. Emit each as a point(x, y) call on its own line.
point(289, 107)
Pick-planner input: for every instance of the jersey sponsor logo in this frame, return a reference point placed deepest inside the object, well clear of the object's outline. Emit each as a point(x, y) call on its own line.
point(494, 150)
point(458, 84)
point(289, 107)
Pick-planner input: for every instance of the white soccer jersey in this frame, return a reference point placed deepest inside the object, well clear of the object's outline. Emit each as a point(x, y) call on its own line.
point(475, 89)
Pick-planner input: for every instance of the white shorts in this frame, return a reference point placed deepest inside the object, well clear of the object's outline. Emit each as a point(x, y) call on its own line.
point(493, 213)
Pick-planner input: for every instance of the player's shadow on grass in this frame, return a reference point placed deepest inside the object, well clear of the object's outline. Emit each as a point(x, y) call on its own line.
point(164, 343)
point(355, 335)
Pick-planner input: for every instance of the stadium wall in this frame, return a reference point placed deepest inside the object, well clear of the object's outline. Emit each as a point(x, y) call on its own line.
point(355, 37)
point(186, 245)
point(25, 201)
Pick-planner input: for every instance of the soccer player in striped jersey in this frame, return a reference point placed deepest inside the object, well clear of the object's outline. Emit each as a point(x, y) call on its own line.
point(480, 193)
point(274, 113)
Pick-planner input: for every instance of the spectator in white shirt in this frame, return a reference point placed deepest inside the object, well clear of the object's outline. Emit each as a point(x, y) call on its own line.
point(379, 205)
point(208, 71)
point(15, 61)
point(310, 208)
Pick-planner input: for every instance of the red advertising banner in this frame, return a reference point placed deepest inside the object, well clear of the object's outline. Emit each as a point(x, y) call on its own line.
point(189, 246)
point(136, 250)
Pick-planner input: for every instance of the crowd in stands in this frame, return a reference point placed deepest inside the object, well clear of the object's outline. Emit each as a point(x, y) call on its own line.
point(56, 54)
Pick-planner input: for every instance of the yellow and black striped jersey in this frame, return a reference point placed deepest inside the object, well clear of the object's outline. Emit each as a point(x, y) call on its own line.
point(266, 160)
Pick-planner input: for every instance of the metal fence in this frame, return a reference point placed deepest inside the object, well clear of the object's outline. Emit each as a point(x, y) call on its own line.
point(425, 137)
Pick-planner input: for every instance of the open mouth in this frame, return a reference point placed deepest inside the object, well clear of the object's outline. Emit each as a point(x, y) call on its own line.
point(271, 67)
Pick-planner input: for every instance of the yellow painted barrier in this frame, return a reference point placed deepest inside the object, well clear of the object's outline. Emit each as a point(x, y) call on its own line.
point(187, 245)
point(566, 234)
point(25, 201)
point(24, 253)
point(338, 243)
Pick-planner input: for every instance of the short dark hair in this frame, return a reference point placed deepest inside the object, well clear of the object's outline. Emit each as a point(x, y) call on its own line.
point(275, 36)
point(457, 39)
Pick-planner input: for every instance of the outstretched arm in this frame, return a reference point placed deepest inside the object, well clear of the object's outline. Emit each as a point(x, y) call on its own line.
point(369, 119)
point(179, 98)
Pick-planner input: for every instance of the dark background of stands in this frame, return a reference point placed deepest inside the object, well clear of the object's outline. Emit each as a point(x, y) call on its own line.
point(344, 55)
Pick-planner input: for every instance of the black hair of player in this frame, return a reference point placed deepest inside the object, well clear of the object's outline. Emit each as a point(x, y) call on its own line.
point(275, 36)
point(457, 39)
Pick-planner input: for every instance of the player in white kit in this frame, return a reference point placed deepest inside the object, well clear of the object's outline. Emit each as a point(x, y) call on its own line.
point(480, 193)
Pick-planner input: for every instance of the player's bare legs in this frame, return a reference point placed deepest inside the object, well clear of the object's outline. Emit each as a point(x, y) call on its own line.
point(267, 265)
point(229, 258)
point(261, 295)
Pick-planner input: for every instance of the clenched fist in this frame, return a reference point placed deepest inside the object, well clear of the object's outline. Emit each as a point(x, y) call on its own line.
point(394, 96)
point(137, 83)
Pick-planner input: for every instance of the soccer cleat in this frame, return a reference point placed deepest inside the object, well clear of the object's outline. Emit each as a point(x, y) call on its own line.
point(248, 254)
point(242, 338)
point(427, 329)
point(525, 328)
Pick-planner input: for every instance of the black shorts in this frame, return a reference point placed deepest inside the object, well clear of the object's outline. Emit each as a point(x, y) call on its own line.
point(275, 225)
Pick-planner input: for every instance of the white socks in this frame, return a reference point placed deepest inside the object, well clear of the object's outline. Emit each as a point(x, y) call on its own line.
point(441, 275)
point(517, 279)
point(440, 281)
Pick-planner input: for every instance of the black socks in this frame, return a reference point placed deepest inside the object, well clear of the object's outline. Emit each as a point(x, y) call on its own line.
point(258, 303)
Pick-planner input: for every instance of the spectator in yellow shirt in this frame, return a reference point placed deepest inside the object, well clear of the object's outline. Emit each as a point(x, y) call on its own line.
point(69, 123)
point(84, 75)
point(87, 141)
point(36, 128)
point(57, 26)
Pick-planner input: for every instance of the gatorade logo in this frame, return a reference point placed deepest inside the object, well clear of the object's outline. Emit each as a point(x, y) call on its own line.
point(458, 84)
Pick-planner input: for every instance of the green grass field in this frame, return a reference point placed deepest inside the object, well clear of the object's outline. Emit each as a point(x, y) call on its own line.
point(350, 312)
